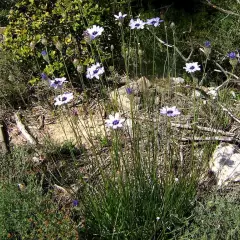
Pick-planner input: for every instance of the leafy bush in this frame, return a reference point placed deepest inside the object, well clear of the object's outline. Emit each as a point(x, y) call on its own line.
point(27, 210)
point(13, 88)
point(216, 218)
point(27, 214)
point(57, 27)
point(5, 6)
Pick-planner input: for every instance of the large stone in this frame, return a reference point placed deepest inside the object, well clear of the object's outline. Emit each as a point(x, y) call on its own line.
point(126, 100)
point(225, 164)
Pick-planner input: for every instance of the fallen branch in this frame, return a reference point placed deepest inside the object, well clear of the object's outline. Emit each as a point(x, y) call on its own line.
point(221, 9)
point(176, 49)
point(215, 138)
point(205, 129)
point(229, 113)
point(23, 130)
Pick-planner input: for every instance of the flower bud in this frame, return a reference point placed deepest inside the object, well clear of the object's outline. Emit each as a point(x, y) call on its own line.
point(172, 25)
point(44, 41)
point(79, 68)
point(32, 45)
point(58, 46)
point(75, 62)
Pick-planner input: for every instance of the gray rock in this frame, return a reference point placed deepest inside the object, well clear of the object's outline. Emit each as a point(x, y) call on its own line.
point(225, 164)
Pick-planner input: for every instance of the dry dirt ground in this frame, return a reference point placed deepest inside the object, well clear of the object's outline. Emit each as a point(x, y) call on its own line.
point(45, 125)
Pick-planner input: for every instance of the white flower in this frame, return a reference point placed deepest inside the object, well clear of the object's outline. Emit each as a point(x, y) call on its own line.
point(63, 99)
point(192, 67)
point(115, 121)
point(57, 82)
point(154, 21)
point(120, 17)
point(94, 71)
point(170, 111)
point(94, 32)
point(157, 218)
point(138, 24)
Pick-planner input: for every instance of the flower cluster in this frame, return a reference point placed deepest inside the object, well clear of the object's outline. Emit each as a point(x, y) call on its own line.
point(139, 24)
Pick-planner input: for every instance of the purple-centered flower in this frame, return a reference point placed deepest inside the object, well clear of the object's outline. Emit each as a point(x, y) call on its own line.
point(207, 44)
point(232, 55)
point(63, 99)
point(44, 53)
point(192, 67)
point(115, 121)
point(120, 17)
point(95, 71)
point(57, 83)
point(129, 90)
point(75, 202)
point(170, 111)
point(94, 32)
point(44, 76)
point(138, 24)
point(154, 21)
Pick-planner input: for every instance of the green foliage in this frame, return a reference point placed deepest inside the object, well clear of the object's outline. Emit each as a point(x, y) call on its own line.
point(217, 218)
point(58, 26)
point(5, 6)
point(27, 211)
point(28, 214)
point(13, 88)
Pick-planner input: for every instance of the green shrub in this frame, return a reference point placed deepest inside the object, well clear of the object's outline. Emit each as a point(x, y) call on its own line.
point(217, 218)
point(57, 27)
point(28, 214)
point(14, 91)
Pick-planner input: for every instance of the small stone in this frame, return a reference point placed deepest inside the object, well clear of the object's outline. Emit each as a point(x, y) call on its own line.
point(177, 80)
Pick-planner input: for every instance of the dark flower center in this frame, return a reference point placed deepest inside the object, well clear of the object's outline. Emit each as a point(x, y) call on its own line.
point(153, 22)
point(192, 67)
point(96, 71)
point(137, 24)
point(95, 33)
point(56, 82)
point(115, 122)
point(64, 99)
point(170, 112)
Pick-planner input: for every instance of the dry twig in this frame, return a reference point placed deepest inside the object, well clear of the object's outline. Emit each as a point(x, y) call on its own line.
point(23, 130)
